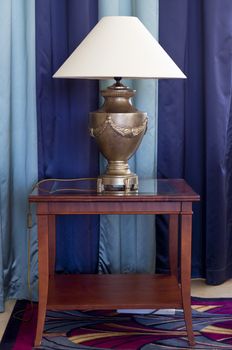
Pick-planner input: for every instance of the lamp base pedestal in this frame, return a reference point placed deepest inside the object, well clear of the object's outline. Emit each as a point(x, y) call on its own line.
point(117, 184)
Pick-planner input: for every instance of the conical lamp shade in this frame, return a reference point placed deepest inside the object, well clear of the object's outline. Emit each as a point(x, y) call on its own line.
point(119, 46)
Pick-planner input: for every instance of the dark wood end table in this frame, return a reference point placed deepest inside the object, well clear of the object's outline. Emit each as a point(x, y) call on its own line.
point(172, 197)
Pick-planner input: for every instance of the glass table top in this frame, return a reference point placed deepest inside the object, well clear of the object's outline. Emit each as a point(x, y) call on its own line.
point(87, 188)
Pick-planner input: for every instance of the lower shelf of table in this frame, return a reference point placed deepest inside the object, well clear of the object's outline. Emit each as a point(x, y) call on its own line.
point(113, 291)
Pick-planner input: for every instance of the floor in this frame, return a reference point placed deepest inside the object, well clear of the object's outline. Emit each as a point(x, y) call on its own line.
point(4, 317)
point(199, 289)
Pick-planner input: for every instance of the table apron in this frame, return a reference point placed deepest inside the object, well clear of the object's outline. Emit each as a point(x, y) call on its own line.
point(71, 208)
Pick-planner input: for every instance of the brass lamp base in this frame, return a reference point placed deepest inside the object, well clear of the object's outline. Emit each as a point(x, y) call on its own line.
point(118, 128)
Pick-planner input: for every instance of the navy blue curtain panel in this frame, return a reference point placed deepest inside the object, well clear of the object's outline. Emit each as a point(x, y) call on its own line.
point(65, 149)
point(195, 123)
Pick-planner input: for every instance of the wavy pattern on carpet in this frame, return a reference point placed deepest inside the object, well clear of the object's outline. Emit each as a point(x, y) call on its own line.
point(95, 330)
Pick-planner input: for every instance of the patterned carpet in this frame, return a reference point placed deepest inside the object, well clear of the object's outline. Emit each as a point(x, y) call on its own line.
point(95, 330)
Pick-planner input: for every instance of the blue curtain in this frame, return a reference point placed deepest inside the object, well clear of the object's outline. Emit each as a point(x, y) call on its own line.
point(18, 161)
point(127, 242)
point(65, 149)
point(195, 125)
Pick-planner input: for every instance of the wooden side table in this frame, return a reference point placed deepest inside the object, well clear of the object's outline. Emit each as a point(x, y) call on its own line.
point(173, 197)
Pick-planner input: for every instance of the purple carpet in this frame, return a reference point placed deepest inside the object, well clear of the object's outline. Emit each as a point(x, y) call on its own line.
point(212, 323)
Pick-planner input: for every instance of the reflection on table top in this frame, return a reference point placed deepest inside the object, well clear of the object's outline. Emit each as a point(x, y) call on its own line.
point(149, 189)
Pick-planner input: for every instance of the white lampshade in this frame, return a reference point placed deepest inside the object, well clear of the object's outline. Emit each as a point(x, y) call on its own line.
point(119, 46)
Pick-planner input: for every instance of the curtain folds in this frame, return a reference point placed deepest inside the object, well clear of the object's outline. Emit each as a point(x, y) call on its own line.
point(65, 149)
point(195, 125)
point(18, 143)
point(194, 141)
point(127, 242)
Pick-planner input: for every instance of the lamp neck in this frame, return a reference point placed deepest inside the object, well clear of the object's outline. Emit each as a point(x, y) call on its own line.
point(117, 79)
point(118, 98)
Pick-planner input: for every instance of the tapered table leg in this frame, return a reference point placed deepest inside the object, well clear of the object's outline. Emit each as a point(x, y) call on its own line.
point(52, 243)
point(173, 244)
point(43, 225)
point(186, 238)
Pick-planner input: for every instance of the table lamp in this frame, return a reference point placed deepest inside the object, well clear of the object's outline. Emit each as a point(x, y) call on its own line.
point(118, 47)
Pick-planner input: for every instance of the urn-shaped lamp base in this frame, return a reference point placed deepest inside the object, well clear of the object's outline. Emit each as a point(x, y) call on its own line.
point(118, 128)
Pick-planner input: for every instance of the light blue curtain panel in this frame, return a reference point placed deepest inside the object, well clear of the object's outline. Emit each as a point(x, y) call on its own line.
point(18, 140)
point(127, 242)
